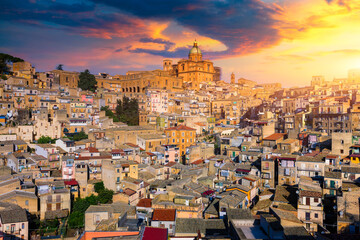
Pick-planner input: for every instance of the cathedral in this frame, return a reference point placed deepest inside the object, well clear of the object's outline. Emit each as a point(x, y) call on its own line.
point(193, 70)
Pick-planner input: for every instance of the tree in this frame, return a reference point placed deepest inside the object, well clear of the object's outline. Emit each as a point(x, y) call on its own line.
point(105, 196)
point(6, 59)
point(60, 67)
point(127, 111)
point(76, 219)
point(87, 81)
point(99, 186)
point(79, 136)
point(110, 113)
point(45, 139)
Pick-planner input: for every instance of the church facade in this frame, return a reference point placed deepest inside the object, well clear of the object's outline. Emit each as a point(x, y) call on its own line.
point(193, 70)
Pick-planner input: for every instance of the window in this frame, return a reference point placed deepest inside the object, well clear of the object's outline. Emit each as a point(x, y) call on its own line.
point(316, 215)
point(307, 216)
point(27, 202)
point(23, 225)
point(316, 200)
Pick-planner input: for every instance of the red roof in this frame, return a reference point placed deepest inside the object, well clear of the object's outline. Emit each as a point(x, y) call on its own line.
point(129, 192)
point(131, 145)
point(181, 128)
point(92, 149)
point(153, 233)
point(274, 137)
point(170, 164)
point(164, 215)
point(117, 151)
point(144, 202)
point(72, 182)
point(200, 161)
point(207, 193)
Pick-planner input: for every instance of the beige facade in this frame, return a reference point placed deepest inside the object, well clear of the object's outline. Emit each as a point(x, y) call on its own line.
point(66, 78)
point(193, 70)
point(54, 203)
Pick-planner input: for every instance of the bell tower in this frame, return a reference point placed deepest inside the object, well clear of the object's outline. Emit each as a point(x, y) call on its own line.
point(232, 78)
point(167, 65)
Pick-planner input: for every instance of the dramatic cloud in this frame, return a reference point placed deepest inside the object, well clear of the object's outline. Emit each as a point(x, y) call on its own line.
point(243, 26)
point(252, 37)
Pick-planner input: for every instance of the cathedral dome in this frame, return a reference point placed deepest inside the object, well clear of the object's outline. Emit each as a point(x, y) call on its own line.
point(195, 49)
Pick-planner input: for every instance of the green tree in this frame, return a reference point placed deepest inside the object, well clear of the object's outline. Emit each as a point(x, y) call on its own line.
point(105, 196)
point(76, 219)
point(79, 136)
point(110, 113)
point(45, 139)
point(99, 186)
point(87, 81)
point(6, 59)
point(60, 67)
point(127, 111)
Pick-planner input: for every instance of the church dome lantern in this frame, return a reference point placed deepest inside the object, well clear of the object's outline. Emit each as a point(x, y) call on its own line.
point(195, 53)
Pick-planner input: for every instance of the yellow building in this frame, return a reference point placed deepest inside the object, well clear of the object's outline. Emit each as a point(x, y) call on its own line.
point(24, 199)
point(138, 82)
point(193, 70)
point(182, 136)
point(66, 78)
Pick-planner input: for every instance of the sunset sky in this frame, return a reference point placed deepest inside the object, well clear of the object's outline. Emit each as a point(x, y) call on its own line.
point(285, 41)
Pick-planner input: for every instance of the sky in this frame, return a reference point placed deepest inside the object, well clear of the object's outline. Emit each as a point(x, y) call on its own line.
point(286, 41)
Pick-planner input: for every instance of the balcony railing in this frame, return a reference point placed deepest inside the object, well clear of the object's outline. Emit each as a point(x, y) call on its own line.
point(309, 169)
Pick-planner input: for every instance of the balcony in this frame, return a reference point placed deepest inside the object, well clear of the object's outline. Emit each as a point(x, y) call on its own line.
point(309, 169)
point(13, 232)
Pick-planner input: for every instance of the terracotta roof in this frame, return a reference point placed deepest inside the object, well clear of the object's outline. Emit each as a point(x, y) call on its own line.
point(170, 164)
point(131, 145)
point(181, 128)
point(200, 161)
point(145, 202)
point(305, 193)
point(92, 149)
point(164, 215)
point(274, 137)
point(114, 151)
point(129, 192)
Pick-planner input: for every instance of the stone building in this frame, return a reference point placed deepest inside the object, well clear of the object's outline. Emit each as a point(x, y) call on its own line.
point(193, 70)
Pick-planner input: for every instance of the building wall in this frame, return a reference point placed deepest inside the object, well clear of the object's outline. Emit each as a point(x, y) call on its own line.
point(21, 230)
point(182, 138)
point(341, 143)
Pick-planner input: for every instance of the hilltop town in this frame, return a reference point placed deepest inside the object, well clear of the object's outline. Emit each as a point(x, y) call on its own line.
point(177, 153)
